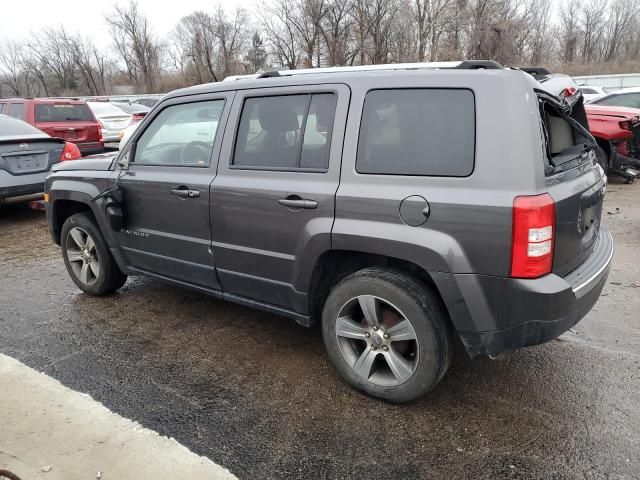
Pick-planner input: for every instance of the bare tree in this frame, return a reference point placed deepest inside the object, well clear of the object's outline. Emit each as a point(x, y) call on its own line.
point(135, 43)
point(335, 28)
point(232, 35)
point(281, 34)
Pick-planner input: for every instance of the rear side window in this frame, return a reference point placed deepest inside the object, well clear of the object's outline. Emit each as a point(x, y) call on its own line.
point(588, 91)
point(427, 132)
point(2, 107)
point(288, 132)
point(63, 112)
point(16, 110)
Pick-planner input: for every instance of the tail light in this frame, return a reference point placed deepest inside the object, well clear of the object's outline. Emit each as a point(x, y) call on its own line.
point(70, 152)
point(533, 236)
point(625, 125)
point(100, 137)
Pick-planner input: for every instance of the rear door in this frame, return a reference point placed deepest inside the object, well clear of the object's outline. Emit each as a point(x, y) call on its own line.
point(576, 183)
point(73, 122)
point(173, 161)
point(274, 196)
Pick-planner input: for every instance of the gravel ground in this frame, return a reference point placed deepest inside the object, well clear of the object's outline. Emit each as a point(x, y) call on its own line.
point(256, 393)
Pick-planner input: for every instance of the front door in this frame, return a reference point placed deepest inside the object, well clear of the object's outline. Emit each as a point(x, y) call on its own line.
point(166, 190)
point(273, 198)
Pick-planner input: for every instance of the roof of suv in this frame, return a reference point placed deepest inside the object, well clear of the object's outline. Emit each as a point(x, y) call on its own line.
point(323, 76)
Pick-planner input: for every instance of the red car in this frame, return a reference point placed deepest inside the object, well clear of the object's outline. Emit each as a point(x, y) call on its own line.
point(68, 119)
point(617, 131)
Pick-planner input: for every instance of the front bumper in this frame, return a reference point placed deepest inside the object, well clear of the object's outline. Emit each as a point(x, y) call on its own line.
point(494, 315)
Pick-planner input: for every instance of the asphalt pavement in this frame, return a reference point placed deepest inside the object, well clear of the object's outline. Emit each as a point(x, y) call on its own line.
point(256, 393)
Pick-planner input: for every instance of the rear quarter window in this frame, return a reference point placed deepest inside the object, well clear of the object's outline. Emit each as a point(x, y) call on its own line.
point(422, 132)
point(63, 112)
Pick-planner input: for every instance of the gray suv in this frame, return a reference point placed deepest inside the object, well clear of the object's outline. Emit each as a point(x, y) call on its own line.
point(404, 207)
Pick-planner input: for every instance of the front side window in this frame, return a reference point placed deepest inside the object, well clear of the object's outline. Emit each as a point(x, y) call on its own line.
point(417, 132)
point(180, 135)
point(622, 100)
point(63, 112)
point(287, 132)
point(16, 110)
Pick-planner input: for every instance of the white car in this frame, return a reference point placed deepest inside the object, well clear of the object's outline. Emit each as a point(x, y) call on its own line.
point(591, 92)
point(112, 119)
point(626, 97)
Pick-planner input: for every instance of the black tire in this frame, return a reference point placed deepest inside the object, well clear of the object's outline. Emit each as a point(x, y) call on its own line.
point(109, 278)
point(603, 159)
point(418, 304)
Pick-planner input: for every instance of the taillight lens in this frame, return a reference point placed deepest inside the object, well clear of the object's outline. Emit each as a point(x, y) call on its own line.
point(533, 236)
point(70, 152)
point(625, 125)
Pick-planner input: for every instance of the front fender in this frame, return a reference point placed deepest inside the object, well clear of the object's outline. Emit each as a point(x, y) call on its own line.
point(79, 191)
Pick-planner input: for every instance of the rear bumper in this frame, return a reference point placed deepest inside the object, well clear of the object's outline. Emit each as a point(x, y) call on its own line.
point(494, 315)
point(21, 190)
point(21, 185)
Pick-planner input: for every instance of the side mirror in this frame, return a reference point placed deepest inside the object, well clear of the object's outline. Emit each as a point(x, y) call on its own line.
point(123, 160)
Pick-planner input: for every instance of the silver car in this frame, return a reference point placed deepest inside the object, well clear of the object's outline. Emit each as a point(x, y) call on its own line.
point(26, 157)
point(113, 120)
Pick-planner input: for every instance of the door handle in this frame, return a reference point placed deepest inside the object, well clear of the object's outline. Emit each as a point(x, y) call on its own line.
point(184, 192)
point(294, 201)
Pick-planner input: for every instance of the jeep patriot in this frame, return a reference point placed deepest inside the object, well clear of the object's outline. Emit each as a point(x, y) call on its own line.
point(406, 208)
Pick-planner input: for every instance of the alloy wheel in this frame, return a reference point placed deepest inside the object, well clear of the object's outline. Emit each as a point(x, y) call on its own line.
point(377, 340)
point(82, 256)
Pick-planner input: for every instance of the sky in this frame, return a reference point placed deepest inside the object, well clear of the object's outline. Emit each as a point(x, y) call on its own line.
point(19, 17)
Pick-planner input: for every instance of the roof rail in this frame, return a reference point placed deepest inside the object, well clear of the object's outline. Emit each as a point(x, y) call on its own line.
point(461, 65)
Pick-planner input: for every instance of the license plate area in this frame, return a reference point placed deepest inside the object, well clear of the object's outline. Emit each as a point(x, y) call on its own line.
point(591, 214)
point(27, 163)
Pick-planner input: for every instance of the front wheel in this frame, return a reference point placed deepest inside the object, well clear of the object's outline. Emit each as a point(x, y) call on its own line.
point(87, 257)
point(387, 334)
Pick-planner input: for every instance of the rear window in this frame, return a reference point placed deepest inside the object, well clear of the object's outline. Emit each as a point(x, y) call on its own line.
point(63, 112)
point(105, 108)
point(428, 132)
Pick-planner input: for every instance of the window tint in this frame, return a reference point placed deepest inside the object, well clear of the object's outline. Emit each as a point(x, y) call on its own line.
point(16, 110)
point(417, 132)
point(181, 135)
point(621, 100)
point(63, 112)
point(286, 132)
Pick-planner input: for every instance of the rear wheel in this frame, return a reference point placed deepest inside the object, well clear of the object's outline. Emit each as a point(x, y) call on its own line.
point(87, 257)
point(387, 334)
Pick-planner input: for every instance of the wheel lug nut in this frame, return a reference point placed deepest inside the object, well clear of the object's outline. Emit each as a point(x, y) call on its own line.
point(375, 328)
point(367, 334)
point(385, 348)
point(373, 347)
point(386, 335)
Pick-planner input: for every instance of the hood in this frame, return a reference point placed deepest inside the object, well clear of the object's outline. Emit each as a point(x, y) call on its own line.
point(626, 113)
point(100, 162)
